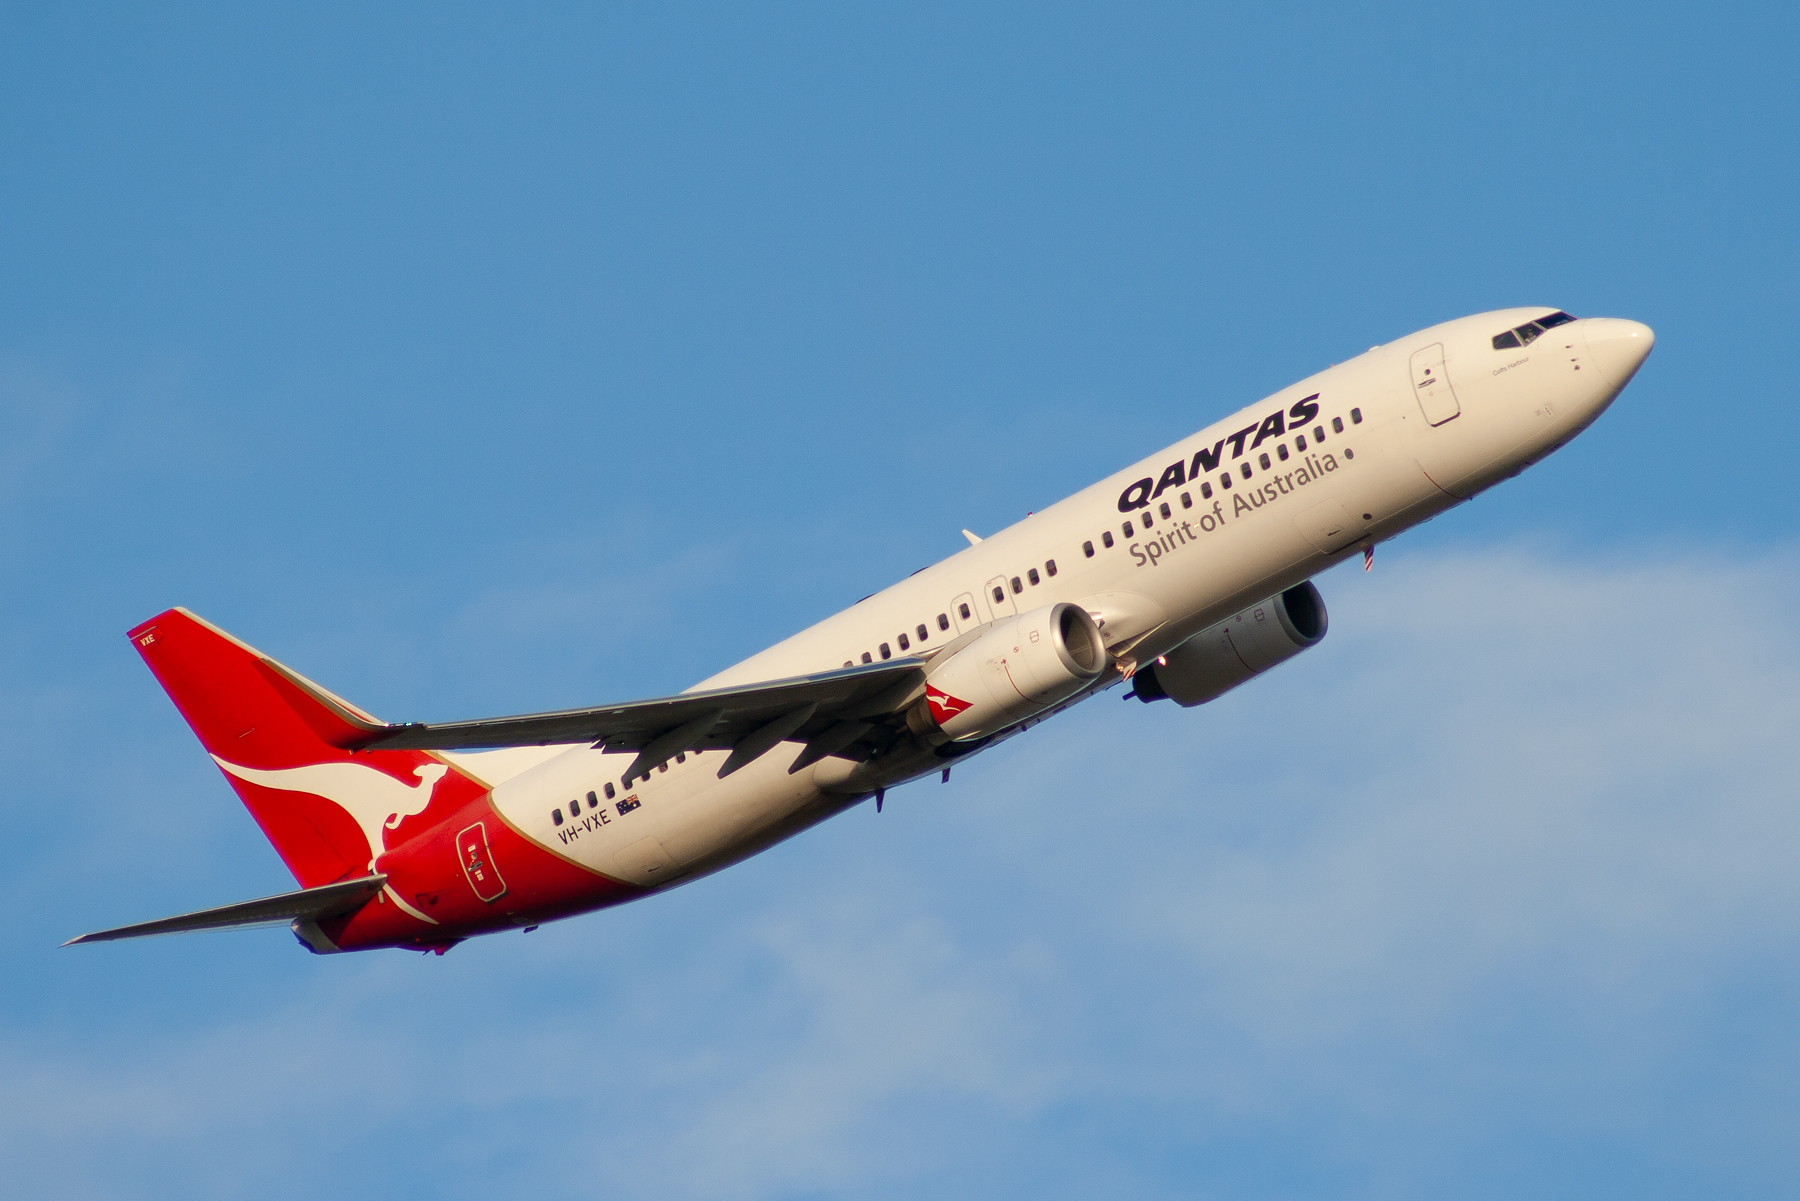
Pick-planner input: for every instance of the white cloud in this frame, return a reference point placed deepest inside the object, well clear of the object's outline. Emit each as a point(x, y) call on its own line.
point(1505, 865)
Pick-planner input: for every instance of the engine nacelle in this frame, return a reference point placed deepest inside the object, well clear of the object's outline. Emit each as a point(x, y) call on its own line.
point(1021, 666)
point(1222, 656)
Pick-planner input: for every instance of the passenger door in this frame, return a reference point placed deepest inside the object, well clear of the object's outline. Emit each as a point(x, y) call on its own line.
point(964, 613)
point(478, 863)
point(997, 599)
point(1431, 384)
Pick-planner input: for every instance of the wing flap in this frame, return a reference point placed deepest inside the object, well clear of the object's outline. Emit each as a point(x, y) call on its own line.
point(637, 724)
point(328, 900)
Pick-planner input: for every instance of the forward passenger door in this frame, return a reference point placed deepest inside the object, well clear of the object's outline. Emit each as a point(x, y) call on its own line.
point(1431, 384)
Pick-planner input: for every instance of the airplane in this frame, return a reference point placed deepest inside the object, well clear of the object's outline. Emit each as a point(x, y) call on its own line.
point(1182, 575)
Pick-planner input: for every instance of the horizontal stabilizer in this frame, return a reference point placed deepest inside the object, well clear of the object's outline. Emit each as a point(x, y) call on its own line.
point(328, 900)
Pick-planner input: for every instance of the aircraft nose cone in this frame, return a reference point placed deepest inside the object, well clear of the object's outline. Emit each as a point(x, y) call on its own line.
point(1618, 347)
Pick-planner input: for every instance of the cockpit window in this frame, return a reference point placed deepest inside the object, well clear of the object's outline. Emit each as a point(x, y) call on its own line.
point(1526, 334)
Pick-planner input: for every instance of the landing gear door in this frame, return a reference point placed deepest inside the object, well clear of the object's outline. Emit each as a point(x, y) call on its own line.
point(1431, 384)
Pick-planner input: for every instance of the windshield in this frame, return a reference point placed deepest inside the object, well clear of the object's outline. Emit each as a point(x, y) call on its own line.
point(1524, 335)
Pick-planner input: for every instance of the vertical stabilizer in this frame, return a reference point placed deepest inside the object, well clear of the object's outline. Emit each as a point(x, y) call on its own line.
point(279, 738)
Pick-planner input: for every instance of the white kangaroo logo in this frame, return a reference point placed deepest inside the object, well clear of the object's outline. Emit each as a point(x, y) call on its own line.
point(373, 798)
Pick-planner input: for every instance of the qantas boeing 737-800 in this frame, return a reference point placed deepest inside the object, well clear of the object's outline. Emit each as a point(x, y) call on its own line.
point(1184, 574)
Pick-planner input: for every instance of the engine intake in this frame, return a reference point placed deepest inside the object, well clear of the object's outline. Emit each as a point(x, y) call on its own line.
point(1246, 644)
point(1019, 667)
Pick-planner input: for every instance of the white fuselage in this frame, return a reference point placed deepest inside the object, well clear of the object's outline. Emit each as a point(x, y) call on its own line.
point(1400, 434)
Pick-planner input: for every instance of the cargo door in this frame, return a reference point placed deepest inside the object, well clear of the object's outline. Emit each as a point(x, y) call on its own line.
point(1330, 525)
point(645, 862)
point(1431, 384)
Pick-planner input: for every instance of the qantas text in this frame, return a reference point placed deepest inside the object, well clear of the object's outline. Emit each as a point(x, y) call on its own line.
point(1276, 424)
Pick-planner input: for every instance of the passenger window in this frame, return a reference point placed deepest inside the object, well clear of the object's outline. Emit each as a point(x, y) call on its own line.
point(1017, 587)
point(1187, 501)
point(610, 791)
point(1129, 532)
point(1262, 460)
point(922, 632)
point(1319, 433)
point(1281, 452)
point(1225, 480)
point(1505, 340)
point(1148, 520)
point(593, 801)
point(663, 766)
point(1205, 492)
point(999, 594)
point(1244, 468)
point(1337, 425)
point(574, 808)
point(1049, 566)
point(1355, 416)
point(1087, 548)
point(849, 663)
point(885, 652)
point(944, 620)
point(556, 816)
point(866, 658)
point(1164, 510)
point(1032, 575)
point(904, 644)
point(963, 612)
point(1300, 443)
point(1106, 538)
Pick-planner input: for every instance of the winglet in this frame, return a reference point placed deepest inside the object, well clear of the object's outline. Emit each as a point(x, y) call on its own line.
point(974, 539)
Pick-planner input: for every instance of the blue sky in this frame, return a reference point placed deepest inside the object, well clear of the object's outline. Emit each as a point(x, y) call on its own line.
point(479, 361)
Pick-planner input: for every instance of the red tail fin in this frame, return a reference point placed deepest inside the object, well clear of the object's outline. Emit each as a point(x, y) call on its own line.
point(279, 739)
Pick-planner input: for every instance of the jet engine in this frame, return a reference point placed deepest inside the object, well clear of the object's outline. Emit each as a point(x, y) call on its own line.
point(1021, 666)
point(1222, 656)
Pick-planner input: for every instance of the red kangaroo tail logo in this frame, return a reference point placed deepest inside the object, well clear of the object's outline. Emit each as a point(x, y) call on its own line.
point(281, 739)
point(373, 798)
point(943, 705)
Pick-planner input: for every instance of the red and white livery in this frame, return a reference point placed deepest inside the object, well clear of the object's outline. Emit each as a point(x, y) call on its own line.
point(1185, 574)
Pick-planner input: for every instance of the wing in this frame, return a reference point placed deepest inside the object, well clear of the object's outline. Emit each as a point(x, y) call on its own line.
point(328, 900)
point(832, 712)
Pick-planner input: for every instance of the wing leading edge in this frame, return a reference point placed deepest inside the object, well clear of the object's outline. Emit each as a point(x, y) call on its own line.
point(848, 712)
point(816, 709)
